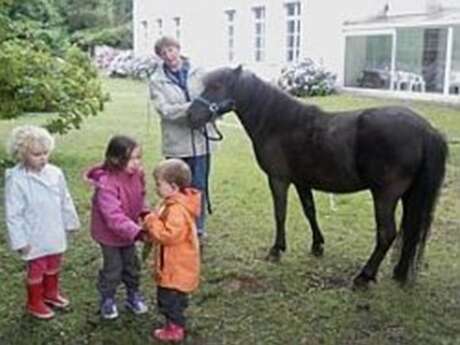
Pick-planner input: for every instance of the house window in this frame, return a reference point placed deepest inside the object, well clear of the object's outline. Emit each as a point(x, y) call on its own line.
point(454, 86)
point(230, 18)
point(368, 61)
point(293, 31)
point(145, 29)
point(159, 27)
point(259, 33)
point(454, 80)
point(420, 59)
point(177, 28)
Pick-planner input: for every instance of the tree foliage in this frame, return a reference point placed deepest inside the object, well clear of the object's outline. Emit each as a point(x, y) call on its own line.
point(118, 36)
point(84, 14)
point(42, 71)
point(98, 22)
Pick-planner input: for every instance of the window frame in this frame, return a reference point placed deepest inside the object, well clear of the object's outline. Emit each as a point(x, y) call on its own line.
point(230, 27)
point(259, 15)
point(293, 35)
point(177, 27)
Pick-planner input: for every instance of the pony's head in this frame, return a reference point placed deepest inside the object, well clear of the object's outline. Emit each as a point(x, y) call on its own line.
point(216, 98)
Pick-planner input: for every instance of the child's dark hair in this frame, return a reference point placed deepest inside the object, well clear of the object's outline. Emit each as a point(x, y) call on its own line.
point(118, 152)
point(175, 171)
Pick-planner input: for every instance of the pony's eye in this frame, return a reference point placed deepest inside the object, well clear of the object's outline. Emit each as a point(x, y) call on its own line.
point(215, 87)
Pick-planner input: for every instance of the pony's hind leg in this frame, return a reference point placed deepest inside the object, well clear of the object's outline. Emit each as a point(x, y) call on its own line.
point(405, 269)
point(419, 205)
point(384, 209)
point(279, 189)
point(308, 205)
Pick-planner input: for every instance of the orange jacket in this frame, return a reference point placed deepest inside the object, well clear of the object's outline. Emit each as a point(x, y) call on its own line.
point(173, 232)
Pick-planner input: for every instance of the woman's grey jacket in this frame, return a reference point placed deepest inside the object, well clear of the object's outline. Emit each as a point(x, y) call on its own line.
point(171, 104)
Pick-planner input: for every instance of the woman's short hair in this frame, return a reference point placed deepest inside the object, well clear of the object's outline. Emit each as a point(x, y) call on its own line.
point(23, 137)
point(118, 152)
point(165, 41)
point(175, 171)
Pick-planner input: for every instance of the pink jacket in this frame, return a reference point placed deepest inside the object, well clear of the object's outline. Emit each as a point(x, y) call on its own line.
point(117, 204)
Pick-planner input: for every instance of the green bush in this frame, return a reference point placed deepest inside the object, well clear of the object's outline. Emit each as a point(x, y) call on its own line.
point(78, 91)
point(35, 80)
point(41, 71)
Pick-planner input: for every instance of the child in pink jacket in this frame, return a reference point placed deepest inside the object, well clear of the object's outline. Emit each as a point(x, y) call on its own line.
point(117, 205)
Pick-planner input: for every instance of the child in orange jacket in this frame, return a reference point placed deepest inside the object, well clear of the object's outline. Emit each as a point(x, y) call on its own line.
point(172, 229)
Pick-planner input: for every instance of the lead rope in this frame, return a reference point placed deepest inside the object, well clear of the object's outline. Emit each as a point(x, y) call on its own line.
point(149, 115)
point(208, 168)
point(206, 186)
point(213, 108)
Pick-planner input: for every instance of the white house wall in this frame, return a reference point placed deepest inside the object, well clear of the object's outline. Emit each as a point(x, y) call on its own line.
point(203, 28)
point(402, 7)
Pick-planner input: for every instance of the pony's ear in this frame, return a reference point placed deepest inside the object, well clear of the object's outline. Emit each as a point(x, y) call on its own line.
point(237, 71)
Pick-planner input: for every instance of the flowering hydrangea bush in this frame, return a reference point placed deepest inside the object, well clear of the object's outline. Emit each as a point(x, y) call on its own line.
point(144, 66)
point(123, 63)
point(104, 55)
point(307, 78)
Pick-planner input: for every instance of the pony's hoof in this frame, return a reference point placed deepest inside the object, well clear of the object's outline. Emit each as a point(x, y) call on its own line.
point(317, 250)
point(361, 282)
point(273, 256)
point(399, 278)
point(402, 283)
point(402, 280)
point(399, 275)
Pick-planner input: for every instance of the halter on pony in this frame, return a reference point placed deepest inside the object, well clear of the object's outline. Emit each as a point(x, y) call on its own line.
point(215, 110)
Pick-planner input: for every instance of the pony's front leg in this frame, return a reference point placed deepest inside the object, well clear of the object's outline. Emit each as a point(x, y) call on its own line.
point(308, 205)
point(279, 190)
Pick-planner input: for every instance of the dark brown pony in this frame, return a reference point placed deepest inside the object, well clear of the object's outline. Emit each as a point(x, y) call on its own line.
point(391, 151)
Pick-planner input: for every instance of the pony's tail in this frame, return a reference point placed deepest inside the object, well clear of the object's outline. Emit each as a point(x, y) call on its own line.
point(419, 203)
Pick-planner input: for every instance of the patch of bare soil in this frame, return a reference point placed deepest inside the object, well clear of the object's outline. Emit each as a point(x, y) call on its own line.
point(243, 283)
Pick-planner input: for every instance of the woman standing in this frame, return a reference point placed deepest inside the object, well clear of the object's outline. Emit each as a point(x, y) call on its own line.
point(173, 85)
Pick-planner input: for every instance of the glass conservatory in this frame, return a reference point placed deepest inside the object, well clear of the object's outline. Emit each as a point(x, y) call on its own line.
point(413, 53)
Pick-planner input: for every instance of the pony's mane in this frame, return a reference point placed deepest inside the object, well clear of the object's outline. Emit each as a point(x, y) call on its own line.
point(265, 105)
point(270, 101)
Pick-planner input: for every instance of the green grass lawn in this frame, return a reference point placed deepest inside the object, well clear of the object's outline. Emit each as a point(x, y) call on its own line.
point(244, 299)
